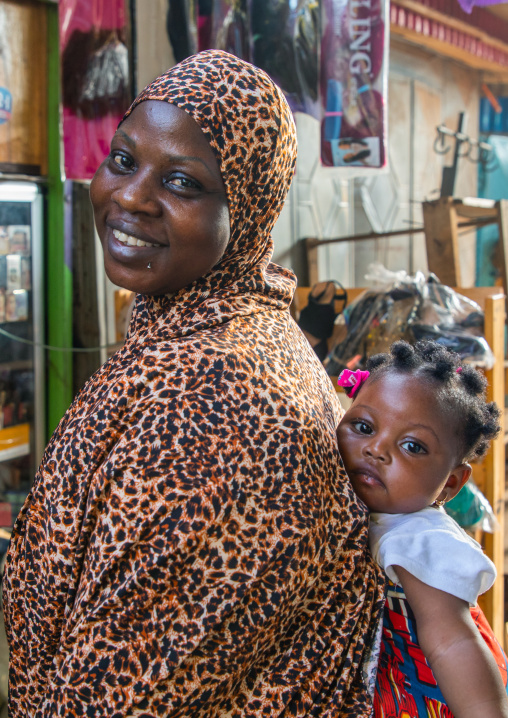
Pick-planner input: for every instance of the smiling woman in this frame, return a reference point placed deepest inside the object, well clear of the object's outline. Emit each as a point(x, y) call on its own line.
point(191, 546)
point(159, 200)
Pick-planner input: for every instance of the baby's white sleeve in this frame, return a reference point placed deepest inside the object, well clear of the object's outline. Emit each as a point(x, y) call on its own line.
point(430, 545)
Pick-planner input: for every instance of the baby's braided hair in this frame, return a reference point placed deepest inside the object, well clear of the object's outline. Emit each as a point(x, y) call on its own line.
point(477, 421)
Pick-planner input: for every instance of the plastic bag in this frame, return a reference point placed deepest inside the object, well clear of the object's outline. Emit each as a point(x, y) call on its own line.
point(400, 306)
point(471, 510)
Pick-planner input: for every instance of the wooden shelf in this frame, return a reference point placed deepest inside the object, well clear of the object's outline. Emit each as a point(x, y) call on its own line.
point(442, 224)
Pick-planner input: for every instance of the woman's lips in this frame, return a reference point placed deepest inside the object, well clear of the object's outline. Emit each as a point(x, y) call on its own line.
point(127, 248)
point(131, 241)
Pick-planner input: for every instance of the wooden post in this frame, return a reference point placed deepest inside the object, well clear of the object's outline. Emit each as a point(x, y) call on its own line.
point(502, 223)
point(492, 602)
point(441, 237)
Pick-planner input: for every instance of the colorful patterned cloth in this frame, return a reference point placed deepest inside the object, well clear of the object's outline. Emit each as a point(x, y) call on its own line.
point(191, 545)
point(405, 685)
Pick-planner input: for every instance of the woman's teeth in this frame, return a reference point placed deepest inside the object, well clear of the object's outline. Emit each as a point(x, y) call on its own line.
point(131, 241)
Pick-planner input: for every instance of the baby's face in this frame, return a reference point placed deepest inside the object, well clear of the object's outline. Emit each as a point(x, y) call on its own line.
point(398, 445)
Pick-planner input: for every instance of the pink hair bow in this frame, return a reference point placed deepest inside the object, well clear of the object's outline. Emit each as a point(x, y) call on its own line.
point(351, 381)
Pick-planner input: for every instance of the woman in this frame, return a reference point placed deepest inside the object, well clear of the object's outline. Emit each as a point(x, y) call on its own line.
point(190, 546)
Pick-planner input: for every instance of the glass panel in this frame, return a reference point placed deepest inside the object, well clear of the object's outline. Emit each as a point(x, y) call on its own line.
point(17, 459)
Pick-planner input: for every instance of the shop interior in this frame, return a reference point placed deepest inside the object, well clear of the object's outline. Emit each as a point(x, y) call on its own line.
point(396, 224)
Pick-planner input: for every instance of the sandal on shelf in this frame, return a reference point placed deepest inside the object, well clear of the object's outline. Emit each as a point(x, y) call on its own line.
point(318, 317)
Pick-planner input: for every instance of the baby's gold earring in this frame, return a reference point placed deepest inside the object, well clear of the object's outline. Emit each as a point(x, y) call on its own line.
point(440, 502)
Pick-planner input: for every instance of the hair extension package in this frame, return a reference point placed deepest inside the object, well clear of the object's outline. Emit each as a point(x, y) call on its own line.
point(354, 83)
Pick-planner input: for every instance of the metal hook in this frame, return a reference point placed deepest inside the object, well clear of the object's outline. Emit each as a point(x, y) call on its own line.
point(467, 151)
point(440, 139)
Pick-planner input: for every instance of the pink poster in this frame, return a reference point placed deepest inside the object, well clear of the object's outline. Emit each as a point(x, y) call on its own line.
point(95, 80)
point(354, 79)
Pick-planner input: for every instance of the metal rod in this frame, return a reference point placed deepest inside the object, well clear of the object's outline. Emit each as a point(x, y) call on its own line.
point(311, 242)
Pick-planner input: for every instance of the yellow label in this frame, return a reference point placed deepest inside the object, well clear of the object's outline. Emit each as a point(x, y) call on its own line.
point(14, 441)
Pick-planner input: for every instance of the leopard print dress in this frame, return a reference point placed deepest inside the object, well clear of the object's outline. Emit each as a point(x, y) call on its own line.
point(191, 546)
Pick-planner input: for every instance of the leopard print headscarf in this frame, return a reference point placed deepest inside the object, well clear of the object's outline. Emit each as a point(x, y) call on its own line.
point(250, 128)
point(249, 125)
point(191, 545)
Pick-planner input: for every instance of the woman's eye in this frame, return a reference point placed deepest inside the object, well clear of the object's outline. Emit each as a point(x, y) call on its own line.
point(122, 160)
point(413, 447)
point(362, 427)
point(184, 182)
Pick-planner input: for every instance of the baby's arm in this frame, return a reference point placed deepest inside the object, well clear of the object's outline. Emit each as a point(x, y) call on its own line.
point(464, 668)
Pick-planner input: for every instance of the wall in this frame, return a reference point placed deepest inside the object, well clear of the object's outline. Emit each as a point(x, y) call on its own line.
point(153, 51)
point(425, 90)
point(318, 205)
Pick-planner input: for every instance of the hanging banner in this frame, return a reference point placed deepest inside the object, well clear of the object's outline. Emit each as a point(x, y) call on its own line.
point(95, 80)
point(354, 83)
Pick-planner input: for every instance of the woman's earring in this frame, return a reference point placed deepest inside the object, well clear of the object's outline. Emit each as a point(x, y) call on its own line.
point(439, 502)
point(149, 265)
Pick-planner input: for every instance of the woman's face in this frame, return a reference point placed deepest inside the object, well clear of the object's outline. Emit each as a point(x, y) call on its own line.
point(159, 202)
